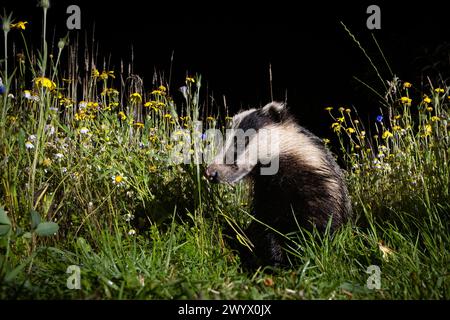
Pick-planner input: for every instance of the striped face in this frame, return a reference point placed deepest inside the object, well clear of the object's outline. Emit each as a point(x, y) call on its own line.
point(251, 142)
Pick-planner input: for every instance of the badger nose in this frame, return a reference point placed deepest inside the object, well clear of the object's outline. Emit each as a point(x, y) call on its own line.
point(212, 174)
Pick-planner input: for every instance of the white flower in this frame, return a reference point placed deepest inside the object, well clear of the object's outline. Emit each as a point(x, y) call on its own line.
point(132, 232)
point(32, 137)
point(64, 170)
point(50, 129)
point(11, 96)
point(29, 145)
point(59, 155)
point(118, 180)
point(129, 217)
point(84, 130)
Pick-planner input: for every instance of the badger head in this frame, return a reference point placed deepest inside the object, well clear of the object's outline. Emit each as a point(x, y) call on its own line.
point(251, 145)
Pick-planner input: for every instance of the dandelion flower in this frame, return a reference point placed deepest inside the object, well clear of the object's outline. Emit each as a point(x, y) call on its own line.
point(329, 108)
point(21, 25)
point(439, 90)
point(162, 88)
point(326, 141)
point(427, 129)
point(190, 79)
point(95, 73)
point(348, 110)
point(407, 85)
point(29, 145)
point(45, 83)
point(430, 109)
point(336, 127)
point(47, 162)
point(118, 180)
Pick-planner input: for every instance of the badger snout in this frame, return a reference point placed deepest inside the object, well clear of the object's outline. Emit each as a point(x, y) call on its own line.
point(212, 174)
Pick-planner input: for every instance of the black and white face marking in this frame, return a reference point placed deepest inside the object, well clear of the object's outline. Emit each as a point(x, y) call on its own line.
point(253, 139)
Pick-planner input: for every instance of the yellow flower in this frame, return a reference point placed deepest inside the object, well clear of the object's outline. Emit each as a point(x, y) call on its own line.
point(396, 128)
point(406, 100)
point(190, 79)
point(348, 110)
point(429, 109)
point(106, 74)
point(157, 92)
point(363, 133)
point(341, 119)
point(135, 97)
point(435, 118)
point(439, 90)
point(47, 162)
point(168, 116)
point(386, 134)
point(427, 129)
point(329, 108)
point(341, 109)
point(336, 127)
point(118, 179)
point(162, 88)
point(397, 117)
point(407, 85)
point(426, 100)
point(21, 25)
point(45, 83)
point(122, 115)
point(326, 141)
point(350, 130)
point(210, 118)
point(138, 124)
point(95, 73)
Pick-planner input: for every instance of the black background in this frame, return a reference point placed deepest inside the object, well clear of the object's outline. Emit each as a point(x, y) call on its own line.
point(231, 44)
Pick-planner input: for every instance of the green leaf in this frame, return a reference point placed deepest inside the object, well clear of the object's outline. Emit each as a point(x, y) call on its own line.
point(27, 235)
point(4, 229)
point(46, 229)
point(35, 219)
point(4, 218)
point(13, 273)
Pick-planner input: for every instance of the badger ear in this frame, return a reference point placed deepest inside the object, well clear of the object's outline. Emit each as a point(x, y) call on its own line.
point(275, 110)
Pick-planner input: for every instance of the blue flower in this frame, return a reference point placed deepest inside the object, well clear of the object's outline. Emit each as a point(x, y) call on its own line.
point(203, 136)
point(380, 118)
point(2, 87)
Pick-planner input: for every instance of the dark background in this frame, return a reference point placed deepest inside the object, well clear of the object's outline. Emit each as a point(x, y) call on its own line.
point(231, 44)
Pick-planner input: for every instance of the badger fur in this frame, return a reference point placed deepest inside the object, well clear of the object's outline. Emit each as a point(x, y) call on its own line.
point(308, 182)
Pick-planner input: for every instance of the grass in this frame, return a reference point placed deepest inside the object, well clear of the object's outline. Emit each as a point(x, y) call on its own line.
point(89, 179)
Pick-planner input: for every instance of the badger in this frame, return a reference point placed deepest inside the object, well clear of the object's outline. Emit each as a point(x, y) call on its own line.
point(296, 180)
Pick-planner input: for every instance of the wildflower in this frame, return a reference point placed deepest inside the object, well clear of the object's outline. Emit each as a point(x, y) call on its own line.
point(336, 127)
point(435, 118)
point(84, 130)
point(407, 85)
point(380, 118)
point(406, 100)
point(138, 125)
point(190, 79)
point(105, 74)
point(386, 134)
point(156, 92)
point(129, 216)
point(427, 129)
point(326, 141)
point(82, 104)
point(398, 116)
point(210, 118)
point(168, 116)
point(95, 73)
point(439, 90)
point(29, 145)
point(350, 130)
point(21, 25)
point(135, 97)
point(47, 162)
point(118, 180)
point(162, 88)
point(356, 121)
point(329, 108)
point(58, 156)
point(268, 282)
point(122, 115)
point(426, 100)
point(430, 109)
point(396, 128)
point(363, 134)
point(32, 138)
point(348, 110)
point(45, 83)
point(27, 94)
point(132, 232)
point(341, 119)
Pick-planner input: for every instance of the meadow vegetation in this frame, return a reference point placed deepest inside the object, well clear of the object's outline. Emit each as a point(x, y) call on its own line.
point(88, 178)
